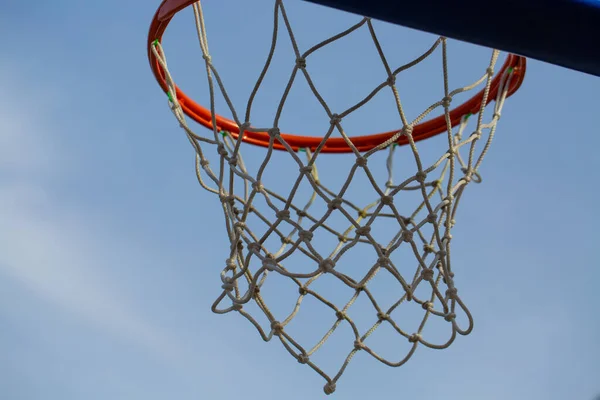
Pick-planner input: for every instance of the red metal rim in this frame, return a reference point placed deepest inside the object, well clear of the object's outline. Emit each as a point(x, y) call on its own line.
point(424, 130)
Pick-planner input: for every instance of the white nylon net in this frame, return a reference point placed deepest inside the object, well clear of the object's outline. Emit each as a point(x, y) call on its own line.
point(255, 214)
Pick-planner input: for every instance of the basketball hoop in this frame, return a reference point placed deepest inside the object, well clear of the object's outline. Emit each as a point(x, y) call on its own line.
point(421, 131)
point(441, 184)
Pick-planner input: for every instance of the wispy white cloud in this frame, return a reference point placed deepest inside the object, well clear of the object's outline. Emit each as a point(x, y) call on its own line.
point(52, 254)
point(25, 145)
point(46, 248)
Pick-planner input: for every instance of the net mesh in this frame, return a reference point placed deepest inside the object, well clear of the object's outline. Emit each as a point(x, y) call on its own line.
point(424, 230)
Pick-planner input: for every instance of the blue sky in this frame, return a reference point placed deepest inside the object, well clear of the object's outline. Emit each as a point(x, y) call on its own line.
point(110, 253)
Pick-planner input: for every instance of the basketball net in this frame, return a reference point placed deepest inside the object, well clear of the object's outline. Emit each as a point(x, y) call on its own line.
point(441, 185)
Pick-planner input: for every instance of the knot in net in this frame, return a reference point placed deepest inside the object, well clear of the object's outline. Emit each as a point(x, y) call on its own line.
point(318, 231)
